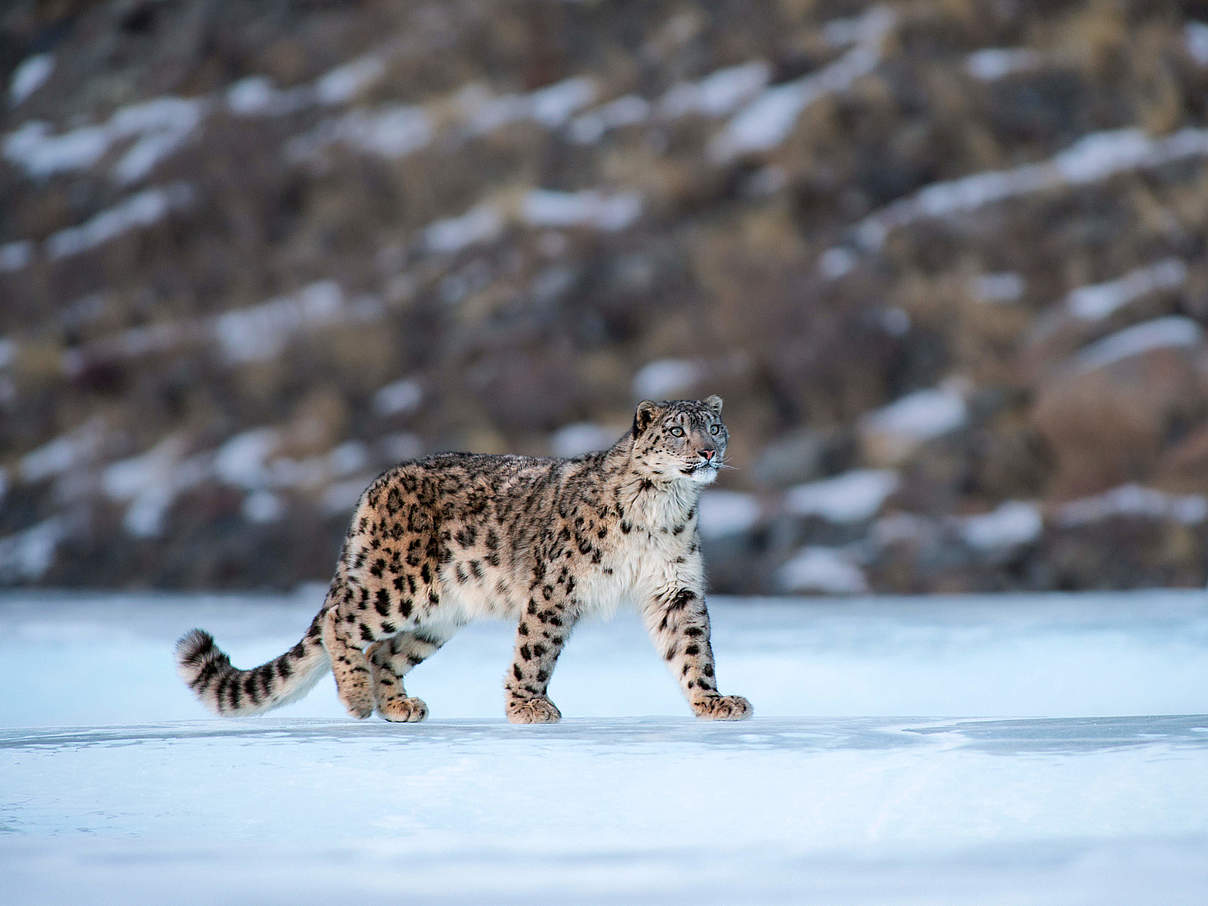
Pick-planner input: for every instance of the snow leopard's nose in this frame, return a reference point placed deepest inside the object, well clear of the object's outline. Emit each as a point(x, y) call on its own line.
point(708, 455)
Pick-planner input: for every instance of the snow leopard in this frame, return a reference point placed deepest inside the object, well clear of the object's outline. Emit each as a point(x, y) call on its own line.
point(437, 542)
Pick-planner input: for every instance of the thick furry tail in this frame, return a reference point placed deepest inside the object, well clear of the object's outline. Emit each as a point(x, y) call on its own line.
point(231, 692)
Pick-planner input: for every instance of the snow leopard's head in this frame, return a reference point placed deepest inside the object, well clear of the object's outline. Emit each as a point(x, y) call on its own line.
point(680, 439)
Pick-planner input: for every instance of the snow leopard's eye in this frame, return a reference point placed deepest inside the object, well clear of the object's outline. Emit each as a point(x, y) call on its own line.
point(715, 429)
point(677, 431)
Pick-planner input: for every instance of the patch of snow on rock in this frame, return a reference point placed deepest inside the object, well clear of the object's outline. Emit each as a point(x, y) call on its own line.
point(61, 454)
point(28, 555)
point(242, 460)
point(822, 569)
point(41, 154)
point(1195, 37)
point(551, 106)
point(1005, 286)
point(836, 262)
point(479, 224)
point(547, 208)
point(895, 430)
point(1172, 332)
point(580, 437)
point(628, 110)
point(140, 210)
point(850, 497)
point(870, 26)
point(1097, 301)
point(1092, 158)
point(400, 397)
point(348, 457)
point(726, 513)
point(15, 256)
point(1132, 500)
point(262, 506)
point(252, 96)
point(261, 331)
point(160, 125)
point(150, 482)
point(767, 120)
point(993, 63)
point(344, 83)
point(718, 93)
point(393, 131)
point(664, 378)
point(30, 75)
point(1012, 524)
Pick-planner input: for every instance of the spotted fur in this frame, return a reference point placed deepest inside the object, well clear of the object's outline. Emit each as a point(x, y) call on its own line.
point(441, 541)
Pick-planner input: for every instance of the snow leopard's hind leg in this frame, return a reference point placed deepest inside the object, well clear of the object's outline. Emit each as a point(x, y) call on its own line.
point(348, 662)
point(389, 661)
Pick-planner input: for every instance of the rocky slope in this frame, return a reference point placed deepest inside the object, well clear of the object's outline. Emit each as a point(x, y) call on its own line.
point(944, 259)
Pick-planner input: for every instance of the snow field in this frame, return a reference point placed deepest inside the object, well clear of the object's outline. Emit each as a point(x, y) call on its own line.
point(114, 784)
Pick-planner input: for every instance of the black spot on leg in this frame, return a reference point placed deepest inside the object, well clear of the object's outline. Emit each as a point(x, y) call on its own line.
point(526, 652)
point(682, 599)
point(693, 632)
point(388, 628)
point(366, 633)
point(382, 602)
point(707, 670)
point(516, 672)
point(692, 649)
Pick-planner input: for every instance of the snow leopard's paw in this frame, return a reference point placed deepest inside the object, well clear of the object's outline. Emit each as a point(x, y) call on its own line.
point(538, 710)
point(403, 710)
point(723, 707)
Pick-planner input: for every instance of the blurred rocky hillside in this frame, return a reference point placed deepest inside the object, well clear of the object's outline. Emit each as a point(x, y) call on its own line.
point(945, 260)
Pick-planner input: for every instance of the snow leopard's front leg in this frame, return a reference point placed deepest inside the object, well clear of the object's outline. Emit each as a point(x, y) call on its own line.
point(539, 639)
point(678, 623)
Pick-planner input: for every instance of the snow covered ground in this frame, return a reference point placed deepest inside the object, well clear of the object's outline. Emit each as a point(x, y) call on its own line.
point(978, 750)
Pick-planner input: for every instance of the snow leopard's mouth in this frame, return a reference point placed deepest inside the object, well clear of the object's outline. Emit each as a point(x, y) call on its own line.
point(705, 471)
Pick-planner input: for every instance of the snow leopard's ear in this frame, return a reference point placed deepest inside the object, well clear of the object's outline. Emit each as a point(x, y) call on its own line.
point(644, 415)
point(714, 403)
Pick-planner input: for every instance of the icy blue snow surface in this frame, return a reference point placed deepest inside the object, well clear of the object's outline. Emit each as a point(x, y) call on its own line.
point(1068, 763)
